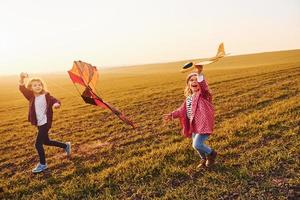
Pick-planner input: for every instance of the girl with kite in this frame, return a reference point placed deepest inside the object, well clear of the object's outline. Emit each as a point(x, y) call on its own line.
point(196, 116)
point(40, 115)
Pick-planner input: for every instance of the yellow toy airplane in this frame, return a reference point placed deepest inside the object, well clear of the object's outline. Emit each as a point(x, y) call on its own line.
point(206, 61)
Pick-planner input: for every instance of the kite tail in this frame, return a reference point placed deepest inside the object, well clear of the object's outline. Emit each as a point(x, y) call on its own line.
point(121, 116)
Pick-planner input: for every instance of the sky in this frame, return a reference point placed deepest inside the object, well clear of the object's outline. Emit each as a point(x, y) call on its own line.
point(38, 36)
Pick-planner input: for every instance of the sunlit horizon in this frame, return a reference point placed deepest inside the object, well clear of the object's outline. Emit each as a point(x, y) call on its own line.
point(42, 37)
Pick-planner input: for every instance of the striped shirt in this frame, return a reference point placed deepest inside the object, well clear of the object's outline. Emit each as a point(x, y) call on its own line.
point(189, 101)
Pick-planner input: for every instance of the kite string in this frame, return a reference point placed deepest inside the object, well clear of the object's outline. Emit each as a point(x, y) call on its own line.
point(64, 89)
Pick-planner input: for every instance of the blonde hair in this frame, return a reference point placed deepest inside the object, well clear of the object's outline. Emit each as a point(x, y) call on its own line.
point(29, 84)
point(187, 90)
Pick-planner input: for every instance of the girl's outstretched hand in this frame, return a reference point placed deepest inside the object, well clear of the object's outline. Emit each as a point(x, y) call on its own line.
point(56, 105)
point(167, 117)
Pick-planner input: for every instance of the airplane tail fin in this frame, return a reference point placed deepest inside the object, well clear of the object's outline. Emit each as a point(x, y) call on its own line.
point(221, 50)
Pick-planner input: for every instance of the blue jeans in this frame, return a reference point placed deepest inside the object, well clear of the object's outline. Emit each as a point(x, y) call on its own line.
point(198, 144)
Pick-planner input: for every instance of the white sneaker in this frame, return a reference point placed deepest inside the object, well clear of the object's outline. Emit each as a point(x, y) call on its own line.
point(68, 149)
point(39, 168)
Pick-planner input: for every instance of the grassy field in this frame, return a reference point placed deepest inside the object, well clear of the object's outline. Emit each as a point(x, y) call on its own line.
point(257, 103)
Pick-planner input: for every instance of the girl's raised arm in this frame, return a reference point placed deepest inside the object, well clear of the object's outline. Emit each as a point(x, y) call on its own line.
point(203, 84)
point(28, 94)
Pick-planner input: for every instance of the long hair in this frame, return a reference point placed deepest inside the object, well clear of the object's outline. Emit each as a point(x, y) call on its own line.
point(187, 91)
point(29, 84)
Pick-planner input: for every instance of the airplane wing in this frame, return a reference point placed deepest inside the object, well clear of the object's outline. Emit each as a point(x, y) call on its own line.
point(206, 61)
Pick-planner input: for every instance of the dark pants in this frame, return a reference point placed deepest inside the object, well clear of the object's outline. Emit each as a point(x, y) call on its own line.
point(43, 139)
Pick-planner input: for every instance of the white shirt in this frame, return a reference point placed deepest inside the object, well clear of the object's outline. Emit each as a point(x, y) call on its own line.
point(40, 105)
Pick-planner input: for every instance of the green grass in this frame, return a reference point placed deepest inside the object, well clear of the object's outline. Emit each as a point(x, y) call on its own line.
point(257, 104)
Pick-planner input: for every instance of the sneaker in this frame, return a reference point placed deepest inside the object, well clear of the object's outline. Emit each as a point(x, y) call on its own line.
point(68, 149)
point(202, 164)
point(39, 168)
point(211, 158)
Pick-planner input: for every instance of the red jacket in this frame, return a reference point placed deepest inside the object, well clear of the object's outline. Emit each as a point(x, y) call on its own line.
point(28, 94)
point(202, 118)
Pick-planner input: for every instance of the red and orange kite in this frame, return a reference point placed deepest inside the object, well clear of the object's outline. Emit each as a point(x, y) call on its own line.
point(86, 75)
